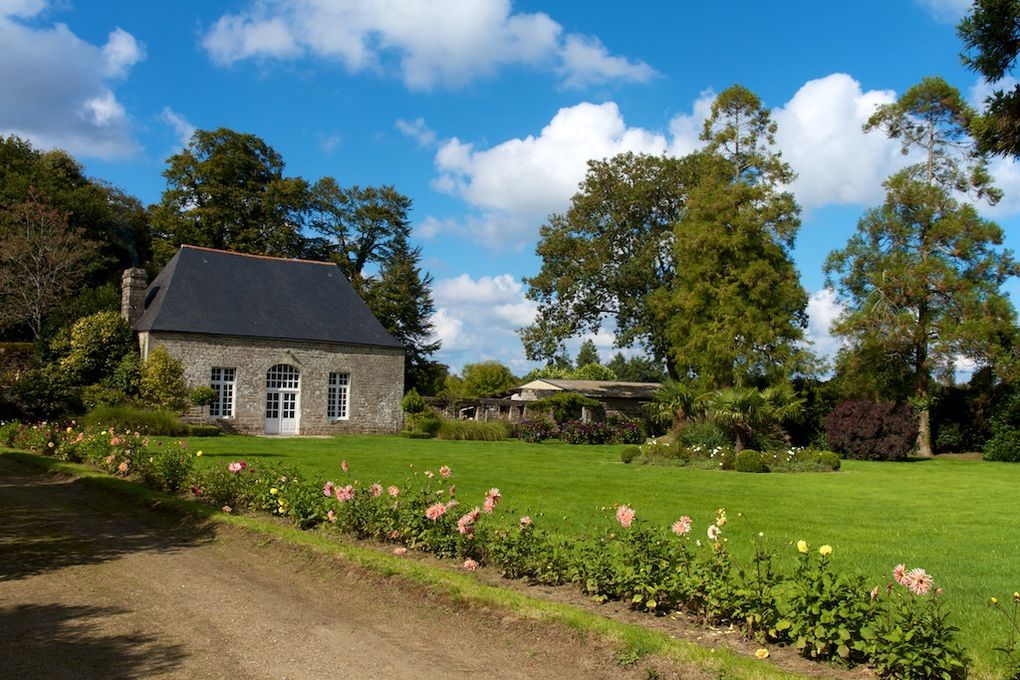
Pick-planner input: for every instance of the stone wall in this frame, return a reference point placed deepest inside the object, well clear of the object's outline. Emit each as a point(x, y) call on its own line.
point(376, 379)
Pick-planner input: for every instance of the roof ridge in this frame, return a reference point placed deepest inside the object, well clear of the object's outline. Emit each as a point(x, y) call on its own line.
point(263, 257)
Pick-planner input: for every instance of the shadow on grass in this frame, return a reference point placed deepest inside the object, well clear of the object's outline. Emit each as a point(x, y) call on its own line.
point(50, 523)
point(59, 642)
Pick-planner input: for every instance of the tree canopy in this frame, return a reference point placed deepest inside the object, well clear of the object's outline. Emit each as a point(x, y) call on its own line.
point(921, 279)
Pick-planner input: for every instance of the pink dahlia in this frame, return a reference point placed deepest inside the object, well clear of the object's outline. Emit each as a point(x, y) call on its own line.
point(345, 493)
point(445, 472)
point(492, 498)
point(525, 521)
point(435, 511)
point(327, 489)
point(470, 564)
point(919, 582)
point(226, 508)
point(488, 506)
point(234, 468)
point(400, 551)
point(899, 574)
point(393, 491)
point(123, 467)
point(466, 525)
point(331, 516)
point(625, 515)
point(375, 490)
point(874, 593)
point(682, 526)
point(343, 465)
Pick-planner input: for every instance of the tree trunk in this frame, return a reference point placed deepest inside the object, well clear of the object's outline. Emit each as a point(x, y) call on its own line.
point(738, 444)
point(924, 433)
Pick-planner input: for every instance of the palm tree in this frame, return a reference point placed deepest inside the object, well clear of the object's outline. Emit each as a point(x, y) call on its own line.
point(746, 410)
point(675, 403)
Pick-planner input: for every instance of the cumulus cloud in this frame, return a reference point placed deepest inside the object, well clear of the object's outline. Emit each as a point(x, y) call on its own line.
point(58, 89)
point(517, 183)
point(586, 61)
point(444, 42)
point(823, 308)
point(417, 130)
point(484, 312)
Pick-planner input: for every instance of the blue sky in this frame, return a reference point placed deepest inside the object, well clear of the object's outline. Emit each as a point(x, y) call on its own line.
point(482, 111)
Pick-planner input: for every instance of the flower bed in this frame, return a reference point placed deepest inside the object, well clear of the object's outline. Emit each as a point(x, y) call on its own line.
point(791, 596)
point(793, 459)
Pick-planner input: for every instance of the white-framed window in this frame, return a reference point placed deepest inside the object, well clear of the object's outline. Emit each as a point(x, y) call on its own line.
point(222, 381)
point(337, 397)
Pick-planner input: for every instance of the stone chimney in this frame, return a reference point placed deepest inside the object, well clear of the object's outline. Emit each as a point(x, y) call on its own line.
point(132, 294)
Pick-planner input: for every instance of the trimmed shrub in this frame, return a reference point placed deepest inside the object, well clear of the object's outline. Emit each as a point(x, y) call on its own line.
point(203, 395)
point(413, 402)
point(162, 381)
point(629, 453)
point(750, 460)
point(203, 431)
point(424, 425)
point(129, 418)
point(474, 430)
point(872, 431)
point(1004, 446)
point(535, 430)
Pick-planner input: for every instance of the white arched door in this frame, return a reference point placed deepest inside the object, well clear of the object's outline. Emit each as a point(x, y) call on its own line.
point(283, 399)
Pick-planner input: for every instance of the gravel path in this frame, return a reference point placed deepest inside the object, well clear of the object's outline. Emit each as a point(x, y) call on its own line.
point(95, 586)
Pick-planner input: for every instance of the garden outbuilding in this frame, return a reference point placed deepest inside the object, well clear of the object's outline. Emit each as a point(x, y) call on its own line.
point(287, 345)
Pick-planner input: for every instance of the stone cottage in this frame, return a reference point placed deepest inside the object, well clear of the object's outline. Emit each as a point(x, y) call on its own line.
point(287, 345)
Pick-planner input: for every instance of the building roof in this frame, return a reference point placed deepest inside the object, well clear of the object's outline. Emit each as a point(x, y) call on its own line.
point(596, 389)
point(219, 292)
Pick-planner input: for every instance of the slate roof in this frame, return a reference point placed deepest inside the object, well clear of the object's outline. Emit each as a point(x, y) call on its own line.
point(219, 292)
point(599, 389)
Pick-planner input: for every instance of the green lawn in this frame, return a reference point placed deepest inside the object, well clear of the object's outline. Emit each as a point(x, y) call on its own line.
point(958, 519)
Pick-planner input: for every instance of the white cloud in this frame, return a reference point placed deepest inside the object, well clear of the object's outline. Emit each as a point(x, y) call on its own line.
point(823, 308)
point(329, 142)
point(586, 61)
point(417, 130)
point(442, 42)
point(57, 89)
point(685, 128)
point(820, 136)
point(181, 127)
point(946, 11)
point(477, 319)
point(517, 183)
point(121, 52)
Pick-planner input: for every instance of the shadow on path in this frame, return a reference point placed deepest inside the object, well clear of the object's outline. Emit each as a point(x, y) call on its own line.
point(49, 523)
point(59, 642)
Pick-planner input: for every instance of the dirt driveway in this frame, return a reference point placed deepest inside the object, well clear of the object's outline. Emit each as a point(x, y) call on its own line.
point(94, 586)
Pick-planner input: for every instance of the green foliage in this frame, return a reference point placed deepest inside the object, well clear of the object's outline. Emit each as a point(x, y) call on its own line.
point(95, 396)
point(1010, 649)
point(202, 395)
point(736, 311)
point(487, 379)
point(627, 205)
point(1004, 446)
point(824, 613)
point(636, 369)
point(167, 468)
point(587, 354)
point(227, 190)
point(675, 402)
point(921, 279)
point(44, 393)
point(747, 413)
point(592, 371)
point(703, 434)
point(95, 348)
point(425, 424)
point(750, 460)
point(8, 431)
point(989, 37)
point(629, 453)
point(475, 430)
point(413, 402)
point(129, 418)
point(127, 374)
point(563, 405)
point(161, 384)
